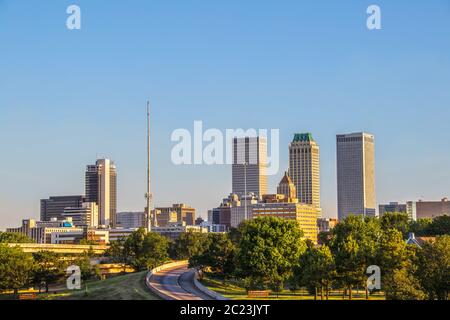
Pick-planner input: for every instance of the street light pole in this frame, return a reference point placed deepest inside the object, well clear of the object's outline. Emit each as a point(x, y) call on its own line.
point(245, 190)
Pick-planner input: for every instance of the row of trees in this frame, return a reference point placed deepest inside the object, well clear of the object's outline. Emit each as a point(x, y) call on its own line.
point(438, 226)
point(269, 253)
point(19, 270)
point(8, 237)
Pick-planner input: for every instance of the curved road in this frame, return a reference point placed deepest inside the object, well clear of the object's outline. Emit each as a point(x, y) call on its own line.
point(177, 284)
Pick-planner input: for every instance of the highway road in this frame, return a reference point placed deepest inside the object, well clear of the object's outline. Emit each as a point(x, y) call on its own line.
point(177, 284)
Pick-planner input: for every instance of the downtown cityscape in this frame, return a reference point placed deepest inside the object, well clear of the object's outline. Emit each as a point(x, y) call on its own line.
point(342, 193)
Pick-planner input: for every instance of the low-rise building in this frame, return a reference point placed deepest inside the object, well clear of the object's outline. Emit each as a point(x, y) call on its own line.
point(214, 228)
point(131, 220)
point(85, 216)
point(432, 209)
point(64, 235)
point(185, 214)
point(41, 231)
point(305, 215)
point(392, 207)
point(119, 233)
point(173, 230)
point(163, 218)
point(419, 241)
point(326, 224)
point(98, 236)
point(241, 208)
point(233, 210)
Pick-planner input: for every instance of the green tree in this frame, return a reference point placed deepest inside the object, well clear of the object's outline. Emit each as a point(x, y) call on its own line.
point(396, 258)
point(188, 244)
point(324, 237)
point(15, 269)
point(392, 252)
point(434, 268)
point(118, 253)
point(421, 227)
point(86, 268)
point(218, 255)
point(395, 220)
point(403, 285)
point(354, 245)
point(48, 268)
point(155, 251)
point(9, 237)
point(316, 270)
point(146, 250)
point(440, 226)
point(268, 250)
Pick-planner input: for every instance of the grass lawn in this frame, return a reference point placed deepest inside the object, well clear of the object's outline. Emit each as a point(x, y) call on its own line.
point(234, 292)
point(125, 287)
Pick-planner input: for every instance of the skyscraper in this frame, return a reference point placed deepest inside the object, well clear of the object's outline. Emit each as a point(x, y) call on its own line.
point(249, 166)
point(356, 174)
point(101, 188)
point(304, 168)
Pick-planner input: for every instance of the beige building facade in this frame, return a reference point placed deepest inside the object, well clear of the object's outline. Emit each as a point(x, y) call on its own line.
point(304, 169)
point(356, 174)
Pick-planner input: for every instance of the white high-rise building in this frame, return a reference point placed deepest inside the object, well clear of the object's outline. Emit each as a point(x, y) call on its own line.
point(356, 174)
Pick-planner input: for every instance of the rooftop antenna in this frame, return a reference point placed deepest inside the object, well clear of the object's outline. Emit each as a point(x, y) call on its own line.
point(148, 195)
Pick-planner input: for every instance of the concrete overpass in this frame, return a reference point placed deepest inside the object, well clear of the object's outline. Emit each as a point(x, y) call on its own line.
point(60, 248)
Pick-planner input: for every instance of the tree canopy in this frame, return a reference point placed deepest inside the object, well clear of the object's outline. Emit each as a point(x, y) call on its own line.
point(268, 250)
point(10, 237)
point(15, 268)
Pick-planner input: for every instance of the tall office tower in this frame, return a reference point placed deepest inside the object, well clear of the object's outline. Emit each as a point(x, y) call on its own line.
point(356, 174)
point(249, 166)
point(53, 208)
point(101, 188)
point(304, 158)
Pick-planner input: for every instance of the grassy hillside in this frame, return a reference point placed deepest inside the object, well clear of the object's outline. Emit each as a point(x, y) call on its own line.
point(126, 287)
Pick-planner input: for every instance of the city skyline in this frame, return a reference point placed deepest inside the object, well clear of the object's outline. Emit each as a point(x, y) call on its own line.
point(246, 146)
point(315, 69)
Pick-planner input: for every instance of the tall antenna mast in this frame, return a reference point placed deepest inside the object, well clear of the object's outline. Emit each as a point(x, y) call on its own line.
point(148, 195)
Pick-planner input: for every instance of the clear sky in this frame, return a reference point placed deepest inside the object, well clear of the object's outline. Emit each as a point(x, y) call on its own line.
point(67, 97)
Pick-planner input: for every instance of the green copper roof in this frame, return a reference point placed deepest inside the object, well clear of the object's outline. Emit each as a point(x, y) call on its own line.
point(302, 137)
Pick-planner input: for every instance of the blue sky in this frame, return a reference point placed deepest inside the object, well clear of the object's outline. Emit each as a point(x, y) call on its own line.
point(67, 97)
